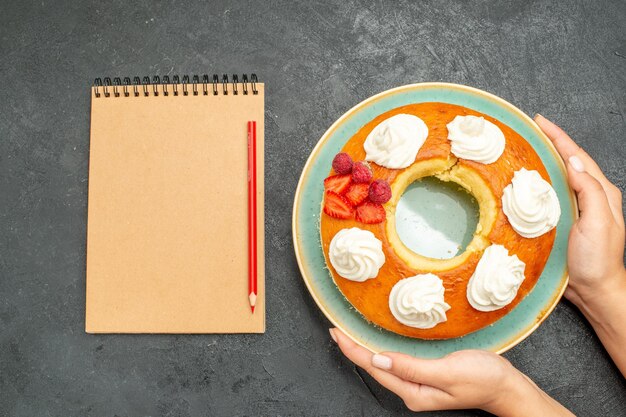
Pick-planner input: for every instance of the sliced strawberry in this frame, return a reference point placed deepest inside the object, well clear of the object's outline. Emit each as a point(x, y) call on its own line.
point(357, 193)
point(337, 206)
point(337, 183)
point(370, 213)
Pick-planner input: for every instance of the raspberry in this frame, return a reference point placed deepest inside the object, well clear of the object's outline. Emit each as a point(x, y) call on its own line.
point(342, 163)
point(361, 172)
point(380, 192)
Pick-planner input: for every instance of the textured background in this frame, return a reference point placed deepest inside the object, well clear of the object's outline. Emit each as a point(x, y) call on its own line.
point(565, 59)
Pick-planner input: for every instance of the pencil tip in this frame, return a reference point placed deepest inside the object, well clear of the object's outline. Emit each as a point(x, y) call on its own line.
point(252, 298)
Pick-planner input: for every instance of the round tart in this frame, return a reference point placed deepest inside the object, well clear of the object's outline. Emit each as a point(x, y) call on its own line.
point(485, 179)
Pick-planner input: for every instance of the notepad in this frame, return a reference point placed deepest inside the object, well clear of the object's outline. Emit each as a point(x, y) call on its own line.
point(167, 237)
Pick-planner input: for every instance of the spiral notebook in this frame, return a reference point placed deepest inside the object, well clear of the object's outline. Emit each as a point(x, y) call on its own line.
point(167, 239)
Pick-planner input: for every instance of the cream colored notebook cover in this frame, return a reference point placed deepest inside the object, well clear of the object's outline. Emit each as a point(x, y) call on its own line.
point(167, 239)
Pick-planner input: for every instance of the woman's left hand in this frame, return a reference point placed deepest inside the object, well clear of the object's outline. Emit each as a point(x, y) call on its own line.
point(464, 379)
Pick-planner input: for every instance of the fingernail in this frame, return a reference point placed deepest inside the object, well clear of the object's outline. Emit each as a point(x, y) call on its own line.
point(381, 361)
point(576, 163)
point(332, 335)
point(537, 115)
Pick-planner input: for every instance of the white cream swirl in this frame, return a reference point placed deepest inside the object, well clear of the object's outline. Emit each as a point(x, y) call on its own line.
point(418, 301)
point(356, 254)
point(395, 142)
point(496, 279)
point(530, 203)
point(476, 139)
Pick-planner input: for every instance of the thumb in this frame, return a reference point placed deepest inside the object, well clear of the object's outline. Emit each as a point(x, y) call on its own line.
point(423, 371)
point(589, 191)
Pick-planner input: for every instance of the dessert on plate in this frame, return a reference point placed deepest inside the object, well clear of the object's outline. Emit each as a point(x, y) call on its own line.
point(412, 294)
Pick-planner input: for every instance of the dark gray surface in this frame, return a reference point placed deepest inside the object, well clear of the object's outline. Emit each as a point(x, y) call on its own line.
point(566, 60)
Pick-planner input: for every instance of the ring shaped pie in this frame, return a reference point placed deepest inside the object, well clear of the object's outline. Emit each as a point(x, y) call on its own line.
point(485, 182)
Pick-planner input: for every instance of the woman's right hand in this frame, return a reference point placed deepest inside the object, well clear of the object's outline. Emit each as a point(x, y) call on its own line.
point(596, 243)
point(595, 254)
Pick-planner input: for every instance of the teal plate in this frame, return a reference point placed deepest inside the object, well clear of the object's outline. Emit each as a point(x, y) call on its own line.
point(504, 333)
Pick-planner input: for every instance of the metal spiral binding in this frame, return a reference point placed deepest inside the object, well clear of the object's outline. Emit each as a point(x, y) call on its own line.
point(126, 84)
point(175, 82)
point(103, 87)
point(107, 84)
point(96, 85)
point(235, 82)
point(196, 80)
point(155, 85)
point(225, 84)
point(136, 83)
point(215, 81)
point(185, 82)
point(116, 83)
point(146, 83)
point(205, 85)
point(245, 84)
point(166, 81)
point(253, 81)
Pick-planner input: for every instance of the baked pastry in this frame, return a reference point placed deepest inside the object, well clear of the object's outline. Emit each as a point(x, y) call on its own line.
point(411, 294)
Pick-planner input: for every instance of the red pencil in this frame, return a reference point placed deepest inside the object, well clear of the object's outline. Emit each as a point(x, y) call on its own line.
point(252, 216)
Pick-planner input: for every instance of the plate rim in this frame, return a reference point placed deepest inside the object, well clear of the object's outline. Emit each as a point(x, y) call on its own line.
point(426, 85)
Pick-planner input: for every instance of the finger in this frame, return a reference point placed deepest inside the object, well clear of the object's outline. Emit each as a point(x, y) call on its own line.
point(433, 372)
point(561, 140)
point(568, 148)
point(615, 201)
point(576, 172)
point(427, 398)
point(571, 295)
point(592, 200)
point(429, 375)
point(363, 358)
point(418, 397)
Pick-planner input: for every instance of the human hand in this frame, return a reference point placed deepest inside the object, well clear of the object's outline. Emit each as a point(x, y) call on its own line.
point(464, 379)
point(596, 242)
